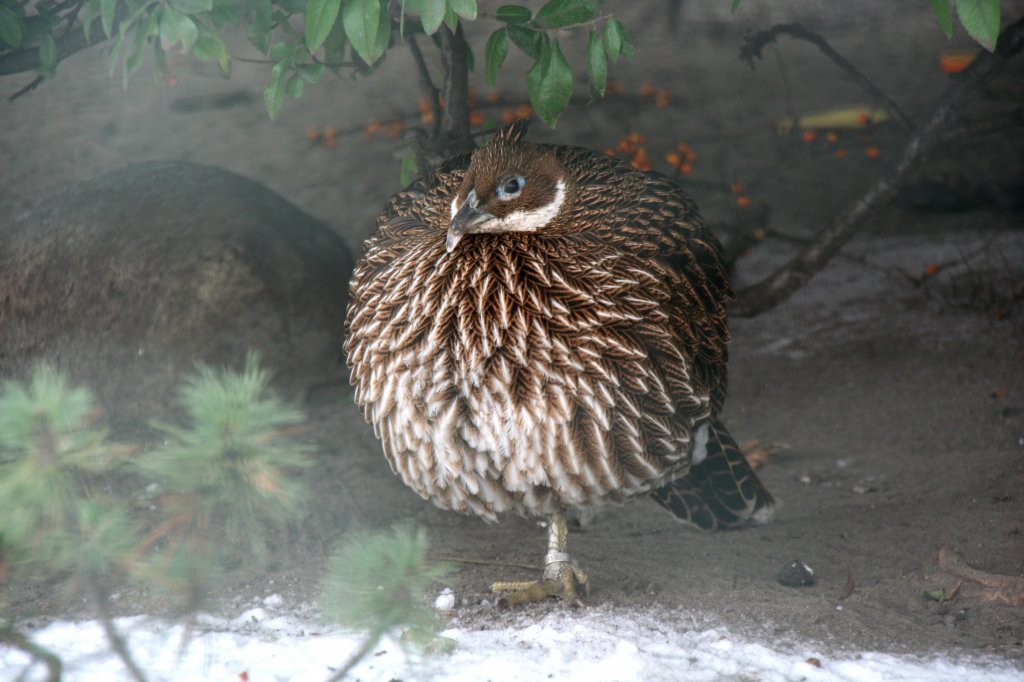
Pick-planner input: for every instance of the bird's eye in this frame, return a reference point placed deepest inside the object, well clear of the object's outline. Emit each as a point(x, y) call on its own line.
point(510, 187)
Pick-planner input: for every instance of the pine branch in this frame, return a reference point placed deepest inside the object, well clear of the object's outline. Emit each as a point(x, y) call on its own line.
point(777, 287)
point(100, 600)
point(17, 639)
point(362, 652)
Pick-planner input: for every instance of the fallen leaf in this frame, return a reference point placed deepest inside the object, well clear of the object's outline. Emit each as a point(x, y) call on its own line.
point(951, 595)
point(848, 588)
point(1002, 589)
point(757, 454)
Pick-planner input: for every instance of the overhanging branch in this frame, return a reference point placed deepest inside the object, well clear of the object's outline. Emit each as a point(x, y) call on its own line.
point(777, 287)
point(73, 40)
point(755, 43)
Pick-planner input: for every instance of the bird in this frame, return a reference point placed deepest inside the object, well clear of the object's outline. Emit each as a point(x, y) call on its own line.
point(541, 330)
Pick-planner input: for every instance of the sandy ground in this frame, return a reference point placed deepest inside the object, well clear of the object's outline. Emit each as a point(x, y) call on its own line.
point(894, 412)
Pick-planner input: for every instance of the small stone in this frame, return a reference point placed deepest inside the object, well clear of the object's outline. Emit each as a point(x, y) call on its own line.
point(445, 600)
point(796, 574)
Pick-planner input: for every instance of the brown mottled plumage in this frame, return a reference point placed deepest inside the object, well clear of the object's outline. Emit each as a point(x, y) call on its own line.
point(541, 329)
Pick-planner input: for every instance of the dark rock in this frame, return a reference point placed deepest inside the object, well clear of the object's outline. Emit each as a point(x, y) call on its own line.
point(127, 280)
point(796, 574)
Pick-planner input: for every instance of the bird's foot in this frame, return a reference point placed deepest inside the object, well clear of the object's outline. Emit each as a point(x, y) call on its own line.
point(563, 578)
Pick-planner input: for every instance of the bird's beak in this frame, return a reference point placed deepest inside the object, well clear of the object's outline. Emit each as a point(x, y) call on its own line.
point(465, 221)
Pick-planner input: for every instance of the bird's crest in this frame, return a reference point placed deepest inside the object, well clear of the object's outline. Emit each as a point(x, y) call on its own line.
point(512, 133)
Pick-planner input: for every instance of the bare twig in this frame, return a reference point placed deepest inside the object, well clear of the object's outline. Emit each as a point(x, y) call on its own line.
point(485, 562)
point(17, 639)
point(36, 82)
point(269, 62)
point(99, 597)
point(778, 286)
point(365, 648)
point(755, 43)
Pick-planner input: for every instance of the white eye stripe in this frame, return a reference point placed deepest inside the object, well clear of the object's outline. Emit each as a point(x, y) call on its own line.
point(529, 221)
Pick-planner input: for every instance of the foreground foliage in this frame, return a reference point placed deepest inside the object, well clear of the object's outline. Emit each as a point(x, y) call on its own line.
point(302, 40)
point(216, 490)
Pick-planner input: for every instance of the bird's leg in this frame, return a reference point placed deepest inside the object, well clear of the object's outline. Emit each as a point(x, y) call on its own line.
point(562, 575)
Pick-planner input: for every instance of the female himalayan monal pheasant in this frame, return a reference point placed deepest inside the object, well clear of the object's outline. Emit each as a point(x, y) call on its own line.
point(541, 329)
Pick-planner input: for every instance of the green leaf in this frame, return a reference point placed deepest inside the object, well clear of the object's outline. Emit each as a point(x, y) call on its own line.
point(224, 14)
point(210, 47)
point(597, 65)
point(735, 6)
point(107, 15)
point(563, 13)
point(176, 28)
point(362, 21)
point(115, 53)
point(944, 13)
point(464, 8)
point(259, 36)
point(320, 18)
point(47, 55)
point(294, 86)
point(143, 31)
point(92, 10)
point(311, 73)
point(12, 28)
point(626, 45)
point(281, 51)
point(612, 41)
point(334, 46)
point(192, 6)
point(527, 40)
point(283, 22)
point(160, 58)
point(273, 95)
point(494, 55)
point(513, 14)
point(549, 81)
point(981, 19)
point(451, 20)
point(409, 169)
point(431, 13)
point(383, 30)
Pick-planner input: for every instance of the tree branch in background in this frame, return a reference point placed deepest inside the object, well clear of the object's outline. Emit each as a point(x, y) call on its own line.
point(755, 43)
point(73, 40)
point(455, 121)
point(426, 84)
point(777, 287)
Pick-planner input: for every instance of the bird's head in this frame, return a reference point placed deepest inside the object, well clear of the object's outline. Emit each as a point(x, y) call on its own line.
point(510, 186)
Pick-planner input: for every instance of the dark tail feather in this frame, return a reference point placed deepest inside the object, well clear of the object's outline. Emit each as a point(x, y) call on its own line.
point(721, 491)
